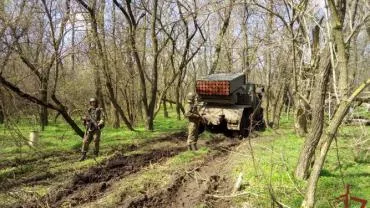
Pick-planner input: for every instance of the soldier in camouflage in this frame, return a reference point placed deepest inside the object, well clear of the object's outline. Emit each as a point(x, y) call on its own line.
point(192, 114)
point(94, 122)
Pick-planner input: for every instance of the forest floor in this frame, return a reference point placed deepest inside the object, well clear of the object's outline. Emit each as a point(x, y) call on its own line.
point(154, 169)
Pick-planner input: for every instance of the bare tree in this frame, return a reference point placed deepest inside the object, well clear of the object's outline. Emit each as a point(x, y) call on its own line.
point(101, 51)
point(221, 35)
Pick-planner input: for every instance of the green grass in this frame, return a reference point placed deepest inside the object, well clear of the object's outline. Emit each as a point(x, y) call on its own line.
point(60, 138)
point(276, 154)
point(58, 147)
point(362, 112)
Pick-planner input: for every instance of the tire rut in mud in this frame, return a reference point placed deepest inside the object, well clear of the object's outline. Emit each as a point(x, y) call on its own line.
point(91, 184)
point(189, 189)
point(46, 177)
point(86, 187)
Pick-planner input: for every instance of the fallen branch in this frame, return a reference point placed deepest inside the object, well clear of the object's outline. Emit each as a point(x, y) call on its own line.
point(232, 195)
point(358, 121)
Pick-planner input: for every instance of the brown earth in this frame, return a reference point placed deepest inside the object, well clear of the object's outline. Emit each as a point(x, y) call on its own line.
point(196, 186)
point(89, 185)
point(189, 189)
point(35, 177)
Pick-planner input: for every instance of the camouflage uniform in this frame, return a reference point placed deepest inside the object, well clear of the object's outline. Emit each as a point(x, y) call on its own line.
point(94, 122)
point(192, 114)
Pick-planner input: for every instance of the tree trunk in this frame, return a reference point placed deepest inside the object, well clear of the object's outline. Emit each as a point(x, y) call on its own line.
point(73, 56)
point(318, 102)
point(327, 139)
point(63, 111)
point(220, 37)
point(165, 111)
point(43, 109)
point(266, 107)
point(267, 56)
point(178, 102)
point(149, 122)
point(336, 24)
point(2, 116)
point(97, 79)
point(300, 119)
point(154, 87)
point(246, 55)
point(2, 103)
point(104, 63)
point(278, 105)
point(116, 120)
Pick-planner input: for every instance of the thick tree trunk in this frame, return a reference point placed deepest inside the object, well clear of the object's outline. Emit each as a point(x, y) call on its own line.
point(318, 102)
point(337, 13)
point(327, 139)
point(300, 119)
point(149, 122)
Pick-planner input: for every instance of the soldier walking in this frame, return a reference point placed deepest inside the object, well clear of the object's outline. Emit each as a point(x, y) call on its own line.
point(192, 114)
point(94, 122)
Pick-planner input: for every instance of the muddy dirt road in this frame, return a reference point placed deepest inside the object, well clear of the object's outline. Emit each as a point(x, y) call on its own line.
point(194, 187)
point(189, 188)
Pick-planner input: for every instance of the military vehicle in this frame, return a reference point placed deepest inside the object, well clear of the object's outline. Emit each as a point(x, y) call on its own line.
point(228, 104)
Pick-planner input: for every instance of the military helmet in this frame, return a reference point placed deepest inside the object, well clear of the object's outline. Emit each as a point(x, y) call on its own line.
point(190, 97)
point(92, 100)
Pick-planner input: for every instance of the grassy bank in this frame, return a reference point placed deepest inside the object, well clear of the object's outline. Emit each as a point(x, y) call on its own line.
point(275, 156)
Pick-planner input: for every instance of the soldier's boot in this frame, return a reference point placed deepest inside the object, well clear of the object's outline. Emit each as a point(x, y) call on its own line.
point(83, 157)
point(194, 147)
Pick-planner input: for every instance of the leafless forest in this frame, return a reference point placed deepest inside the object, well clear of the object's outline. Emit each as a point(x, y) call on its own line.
point(140, 58)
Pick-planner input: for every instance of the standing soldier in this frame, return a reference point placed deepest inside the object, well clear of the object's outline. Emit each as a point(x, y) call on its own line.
point(94, 122)
point(192, 114)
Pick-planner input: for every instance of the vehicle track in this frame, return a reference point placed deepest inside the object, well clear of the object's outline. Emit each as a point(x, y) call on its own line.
point(35, 177)
point(89, 185)
point(191, 188)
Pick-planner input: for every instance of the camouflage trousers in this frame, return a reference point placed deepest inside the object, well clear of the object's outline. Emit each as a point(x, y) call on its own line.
point(91, 136)
point(192, 133)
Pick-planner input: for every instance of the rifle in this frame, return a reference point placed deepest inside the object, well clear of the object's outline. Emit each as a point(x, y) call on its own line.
point(91, 124)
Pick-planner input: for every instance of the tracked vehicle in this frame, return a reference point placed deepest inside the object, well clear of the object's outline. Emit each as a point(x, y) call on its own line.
point(228, 104)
